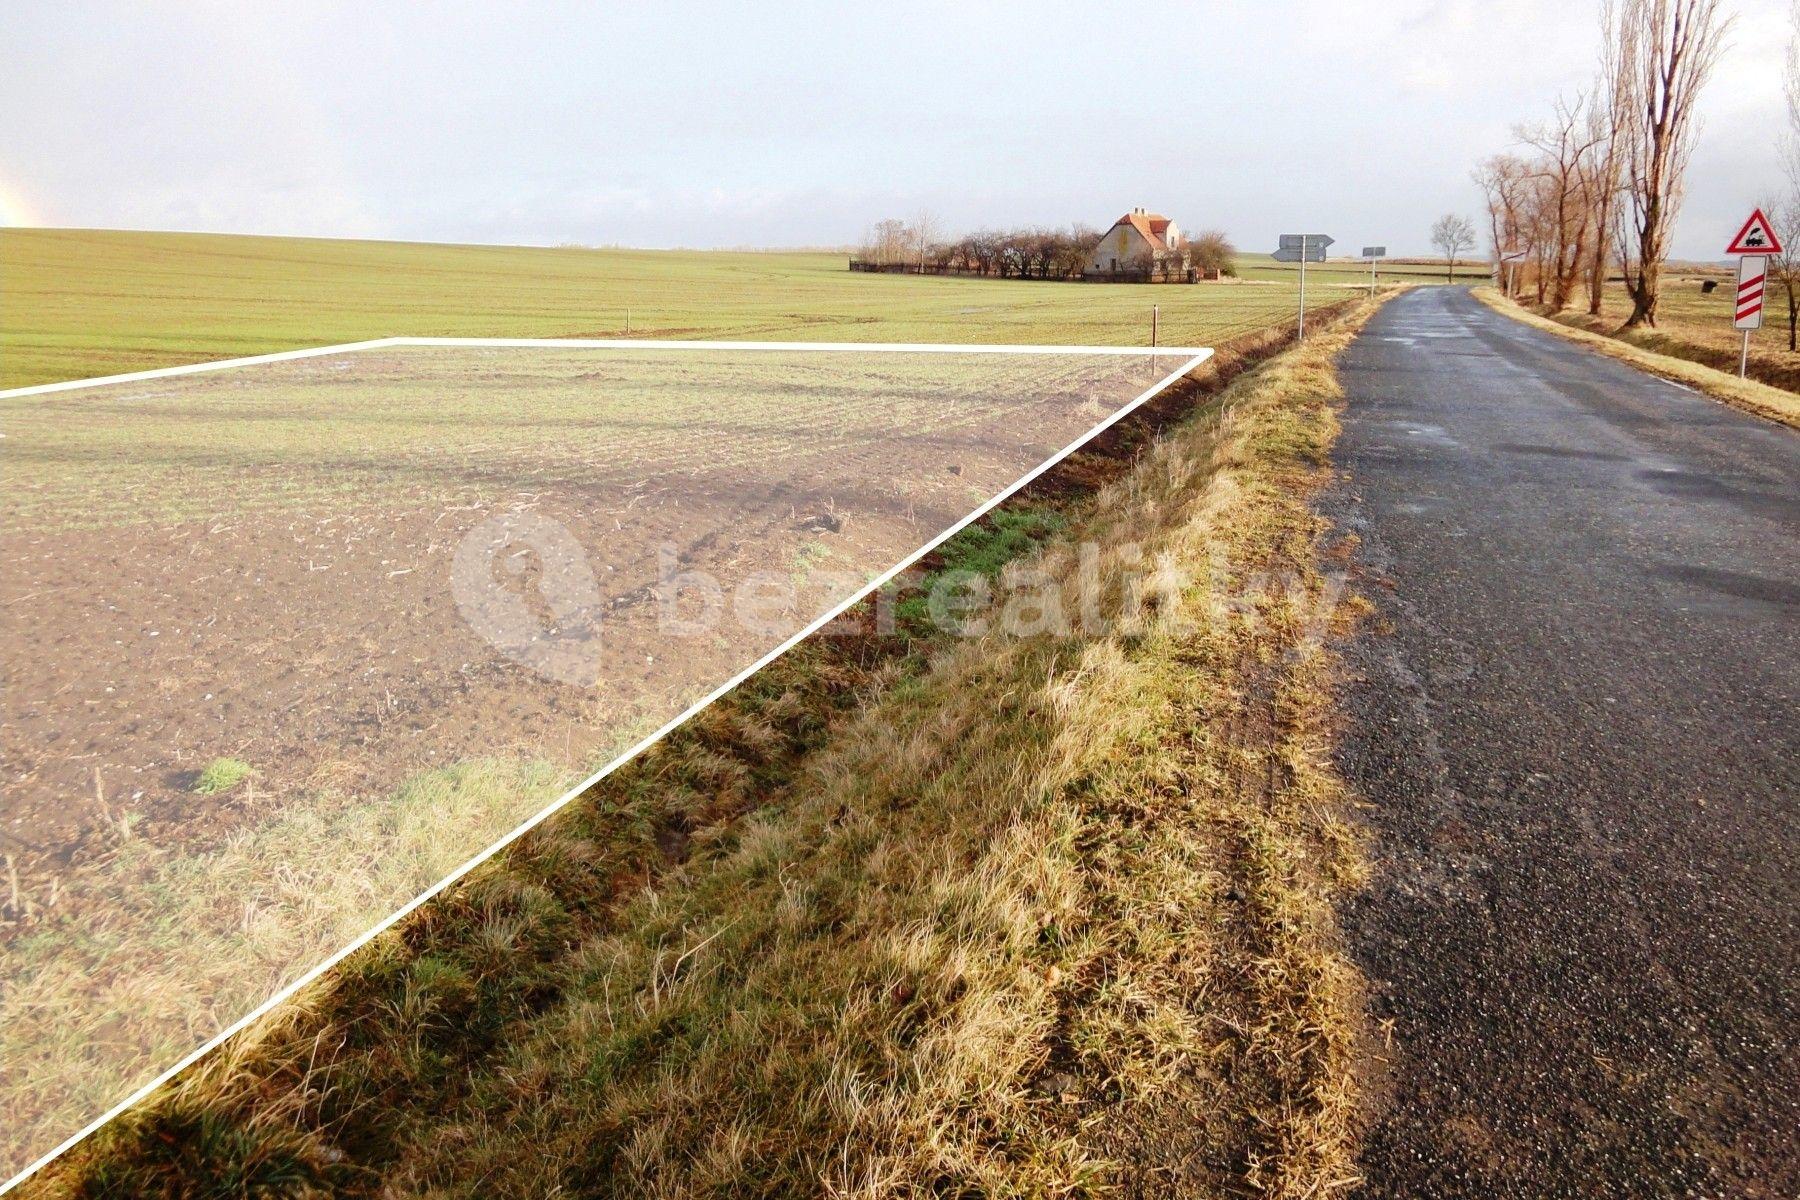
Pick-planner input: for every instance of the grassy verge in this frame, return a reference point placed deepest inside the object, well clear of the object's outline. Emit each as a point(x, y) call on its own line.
point(1696, 325)
point(1028, 911)
point(1774, 403)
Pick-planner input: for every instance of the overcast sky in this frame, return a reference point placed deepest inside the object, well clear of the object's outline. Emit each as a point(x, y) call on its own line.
point(692, 124)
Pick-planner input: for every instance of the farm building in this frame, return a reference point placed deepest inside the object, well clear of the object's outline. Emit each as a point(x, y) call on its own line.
point(1140, 242)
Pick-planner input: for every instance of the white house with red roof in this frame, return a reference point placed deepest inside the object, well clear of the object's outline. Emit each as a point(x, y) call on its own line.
point(1136, 241)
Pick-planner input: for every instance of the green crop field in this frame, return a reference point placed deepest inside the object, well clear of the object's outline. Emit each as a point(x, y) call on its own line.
point(79, 303)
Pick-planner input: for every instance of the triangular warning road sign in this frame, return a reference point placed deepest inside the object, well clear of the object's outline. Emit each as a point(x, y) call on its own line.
point(1756, 237)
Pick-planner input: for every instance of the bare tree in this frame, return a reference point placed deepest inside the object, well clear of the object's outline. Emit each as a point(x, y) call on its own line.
point(1566, 144)
point(1021, 254)
point(1505, 181)
point(1608, 118)
point(1074, 249)
point(1452, 235)
point(984, 250)
point(1784, 268)
point(1213, 252)
point(1790, 78)
point(887, 242)
point(921, 234)
point(1667, 50)
point(1538, 217)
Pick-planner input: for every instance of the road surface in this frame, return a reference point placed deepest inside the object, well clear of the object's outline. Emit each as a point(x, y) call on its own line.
point(1574, 718)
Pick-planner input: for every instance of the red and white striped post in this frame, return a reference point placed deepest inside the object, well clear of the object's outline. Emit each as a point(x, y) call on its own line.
point(1752, 281)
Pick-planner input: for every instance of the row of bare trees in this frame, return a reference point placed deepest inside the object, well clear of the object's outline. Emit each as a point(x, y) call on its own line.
point(1019, 253)
point(1784, 210)
point(1599, 182)
point(1031, 253)
point(1022, 253)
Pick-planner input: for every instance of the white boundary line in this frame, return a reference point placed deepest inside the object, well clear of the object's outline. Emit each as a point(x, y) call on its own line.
point(601, 344)
point(1197, 355)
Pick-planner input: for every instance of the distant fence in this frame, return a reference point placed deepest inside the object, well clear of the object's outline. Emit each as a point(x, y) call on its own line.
point(1122, 275)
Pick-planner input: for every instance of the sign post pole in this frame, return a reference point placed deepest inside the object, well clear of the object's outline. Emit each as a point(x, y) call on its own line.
point(1301, 335)
point(1509, 259)
point(1753, 245)
point(1297, 248)
point(1374, 254)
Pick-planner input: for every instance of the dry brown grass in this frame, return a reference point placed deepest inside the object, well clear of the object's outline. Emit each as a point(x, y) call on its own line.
point(1696, 325)
point(1037, 915)
point(1776, 404)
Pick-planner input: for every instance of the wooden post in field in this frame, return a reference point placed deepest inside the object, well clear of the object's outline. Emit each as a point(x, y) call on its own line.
point(1153, 316)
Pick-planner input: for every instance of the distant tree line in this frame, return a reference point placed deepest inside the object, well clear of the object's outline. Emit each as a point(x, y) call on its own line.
point(1027, 253)
point(1018, 254)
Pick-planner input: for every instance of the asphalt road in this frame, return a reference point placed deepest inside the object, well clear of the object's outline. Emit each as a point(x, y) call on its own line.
point(1574, 719)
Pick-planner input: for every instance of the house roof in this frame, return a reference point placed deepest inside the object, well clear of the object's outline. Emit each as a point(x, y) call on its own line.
point(1153, 226)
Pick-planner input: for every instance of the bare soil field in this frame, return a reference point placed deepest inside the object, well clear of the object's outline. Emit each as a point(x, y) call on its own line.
point(303, 636)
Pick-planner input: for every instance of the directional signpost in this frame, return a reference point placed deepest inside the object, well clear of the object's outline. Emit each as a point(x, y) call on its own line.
point(1508, 258)
point(1753, 245)
point(1302, 248)
point(1374, 254)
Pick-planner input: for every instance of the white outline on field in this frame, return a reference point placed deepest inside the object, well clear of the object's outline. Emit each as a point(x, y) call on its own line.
point(604, 344)
point(1193, 356)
